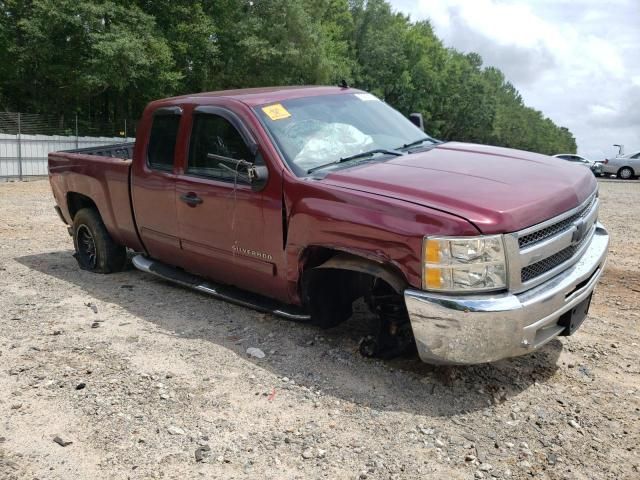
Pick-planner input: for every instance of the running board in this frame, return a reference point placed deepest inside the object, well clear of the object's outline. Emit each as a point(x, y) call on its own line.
point(229, 294)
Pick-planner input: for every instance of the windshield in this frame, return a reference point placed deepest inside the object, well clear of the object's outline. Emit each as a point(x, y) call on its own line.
point(312, 132)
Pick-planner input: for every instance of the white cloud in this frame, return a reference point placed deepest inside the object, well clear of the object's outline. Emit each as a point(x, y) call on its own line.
point(576, 61)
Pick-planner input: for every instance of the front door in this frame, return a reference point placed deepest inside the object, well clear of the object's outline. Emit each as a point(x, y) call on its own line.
point(225, 232)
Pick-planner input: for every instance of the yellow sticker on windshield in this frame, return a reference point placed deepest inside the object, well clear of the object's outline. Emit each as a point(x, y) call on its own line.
point(276, 112)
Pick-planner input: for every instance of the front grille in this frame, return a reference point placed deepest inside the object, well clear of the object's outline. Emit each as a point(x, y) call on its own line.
point(551, 230)
point(543, 266)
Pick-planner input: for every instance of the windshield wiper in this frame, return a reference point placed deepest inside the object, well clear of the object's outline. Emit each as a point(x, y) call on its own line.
point(368, 153)
point(417, 142)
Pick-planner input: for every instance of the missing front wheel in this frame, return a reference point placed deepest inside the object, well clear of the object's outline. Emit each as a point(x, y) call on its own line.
point(392, 335)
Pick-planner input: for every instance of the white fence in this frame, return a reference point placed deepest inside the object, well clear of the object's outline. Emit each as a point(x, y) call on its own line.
point(26, 155)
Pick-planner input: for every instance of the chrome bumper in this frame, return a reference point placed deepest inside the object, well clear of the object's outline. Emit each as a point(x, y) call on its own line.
point(483, 328)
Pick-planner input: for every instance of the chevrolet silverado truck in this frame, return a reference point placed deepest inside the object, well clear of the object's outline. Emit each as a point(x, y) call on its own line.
point(301, 201)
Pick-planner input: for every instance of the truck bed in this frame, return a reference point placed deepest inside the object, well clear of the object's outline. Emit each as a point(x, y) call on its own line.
point(118, 150)
point(100, 177)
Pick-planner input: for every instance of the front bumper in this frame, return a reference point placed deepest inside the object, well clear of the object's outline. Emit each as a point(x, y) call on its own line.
point(473, 329)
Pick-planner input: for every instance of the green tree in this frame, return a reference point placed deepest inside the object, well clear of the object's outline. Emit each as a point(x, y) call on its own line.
point(92, 56)
point(278, 42)
point(380, 38)
point(107, 58)
point(192, 37)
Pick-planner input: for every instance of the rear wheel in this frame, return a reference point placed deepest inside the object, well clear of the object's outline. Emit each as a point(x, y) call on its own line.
point(625, 173)
point(96, 251)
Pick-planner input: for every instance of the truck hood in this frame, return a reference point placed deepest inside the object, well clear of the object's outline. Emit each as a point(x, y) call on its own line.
point(499, 190)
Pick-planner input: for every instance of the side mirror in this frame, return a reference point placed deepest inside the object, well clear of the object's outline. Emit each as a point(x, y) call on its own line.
point(258, 177)
point(417, 120)
point(254, 175)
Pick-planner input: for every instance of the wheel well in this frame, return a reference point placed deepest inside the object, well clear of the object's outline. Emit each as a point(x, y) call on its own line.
point(316, 256)
point(77, 201)
point(331, 281)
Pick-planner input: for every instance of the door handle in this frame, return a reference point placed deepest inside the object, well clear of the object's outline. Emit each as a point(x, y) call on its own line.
point(191, 199)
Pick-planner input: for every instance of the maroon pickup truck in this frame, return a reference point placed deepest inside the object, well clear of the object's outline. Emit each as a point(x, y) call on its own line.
point(300, 201)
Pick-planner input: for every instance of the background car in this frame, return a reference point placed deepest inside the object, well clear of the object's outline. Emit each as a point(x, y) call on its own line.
point(596, 167)
point(625, 166)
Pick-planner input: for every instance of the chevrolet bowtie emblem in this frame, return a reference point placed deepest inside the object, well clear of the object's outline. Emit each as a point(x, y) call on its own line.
point(579, 232)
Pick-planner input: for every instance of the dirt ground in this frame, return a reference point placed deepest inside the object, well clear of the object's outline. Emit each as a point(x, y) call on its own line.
point(149, 380)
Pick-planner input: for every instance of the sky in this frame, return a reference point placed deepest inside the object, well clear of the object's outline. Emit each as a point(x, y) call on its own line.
point(578, 61)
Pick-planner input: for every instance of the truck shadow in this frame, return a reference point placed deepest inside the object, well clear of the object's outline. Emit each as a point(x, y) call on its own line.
point(327, 360)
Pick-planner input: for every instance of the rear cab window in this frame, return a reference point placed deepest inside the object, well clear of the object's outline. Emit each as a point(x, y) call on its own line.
point(162, 141)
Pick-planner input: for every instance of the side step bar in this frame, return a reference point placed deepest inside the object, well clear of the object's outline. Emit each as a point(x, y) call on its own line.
point(229, 294)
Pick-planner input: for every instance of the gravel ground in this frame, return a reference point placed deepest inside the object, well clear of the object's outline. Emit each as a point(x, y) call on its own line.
point(148, 380)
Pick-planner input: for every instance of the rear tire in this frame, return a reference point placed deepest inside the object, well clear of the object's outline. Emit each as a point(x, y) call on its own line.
point(625, 173)
point(95, 249)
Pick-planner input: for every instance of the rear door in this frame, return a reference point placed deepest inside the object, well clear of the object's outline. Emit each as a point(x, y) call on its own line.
point(153, 184)
point(228, 232)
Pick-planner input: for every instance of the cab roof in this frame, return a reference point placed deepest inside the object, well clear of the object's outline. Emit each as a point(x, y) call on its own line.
point(264, 95)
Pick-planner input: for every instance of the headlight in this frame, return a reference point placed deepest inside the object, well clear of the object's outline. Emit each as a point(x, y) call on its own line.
point(464, 264)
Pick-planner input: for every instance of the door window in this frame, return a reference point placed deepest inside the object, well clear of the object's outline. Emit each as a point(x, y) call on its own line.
point(162, 143)
point(216, 135)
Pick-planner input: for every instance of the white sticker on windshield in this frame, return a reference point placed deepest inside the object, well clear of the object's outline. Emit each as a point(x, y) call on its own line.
point(366, 97)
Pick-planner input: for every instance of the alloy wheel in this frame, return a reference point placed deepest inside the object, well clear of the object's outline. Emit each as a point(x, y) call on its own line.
point(86, 246)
